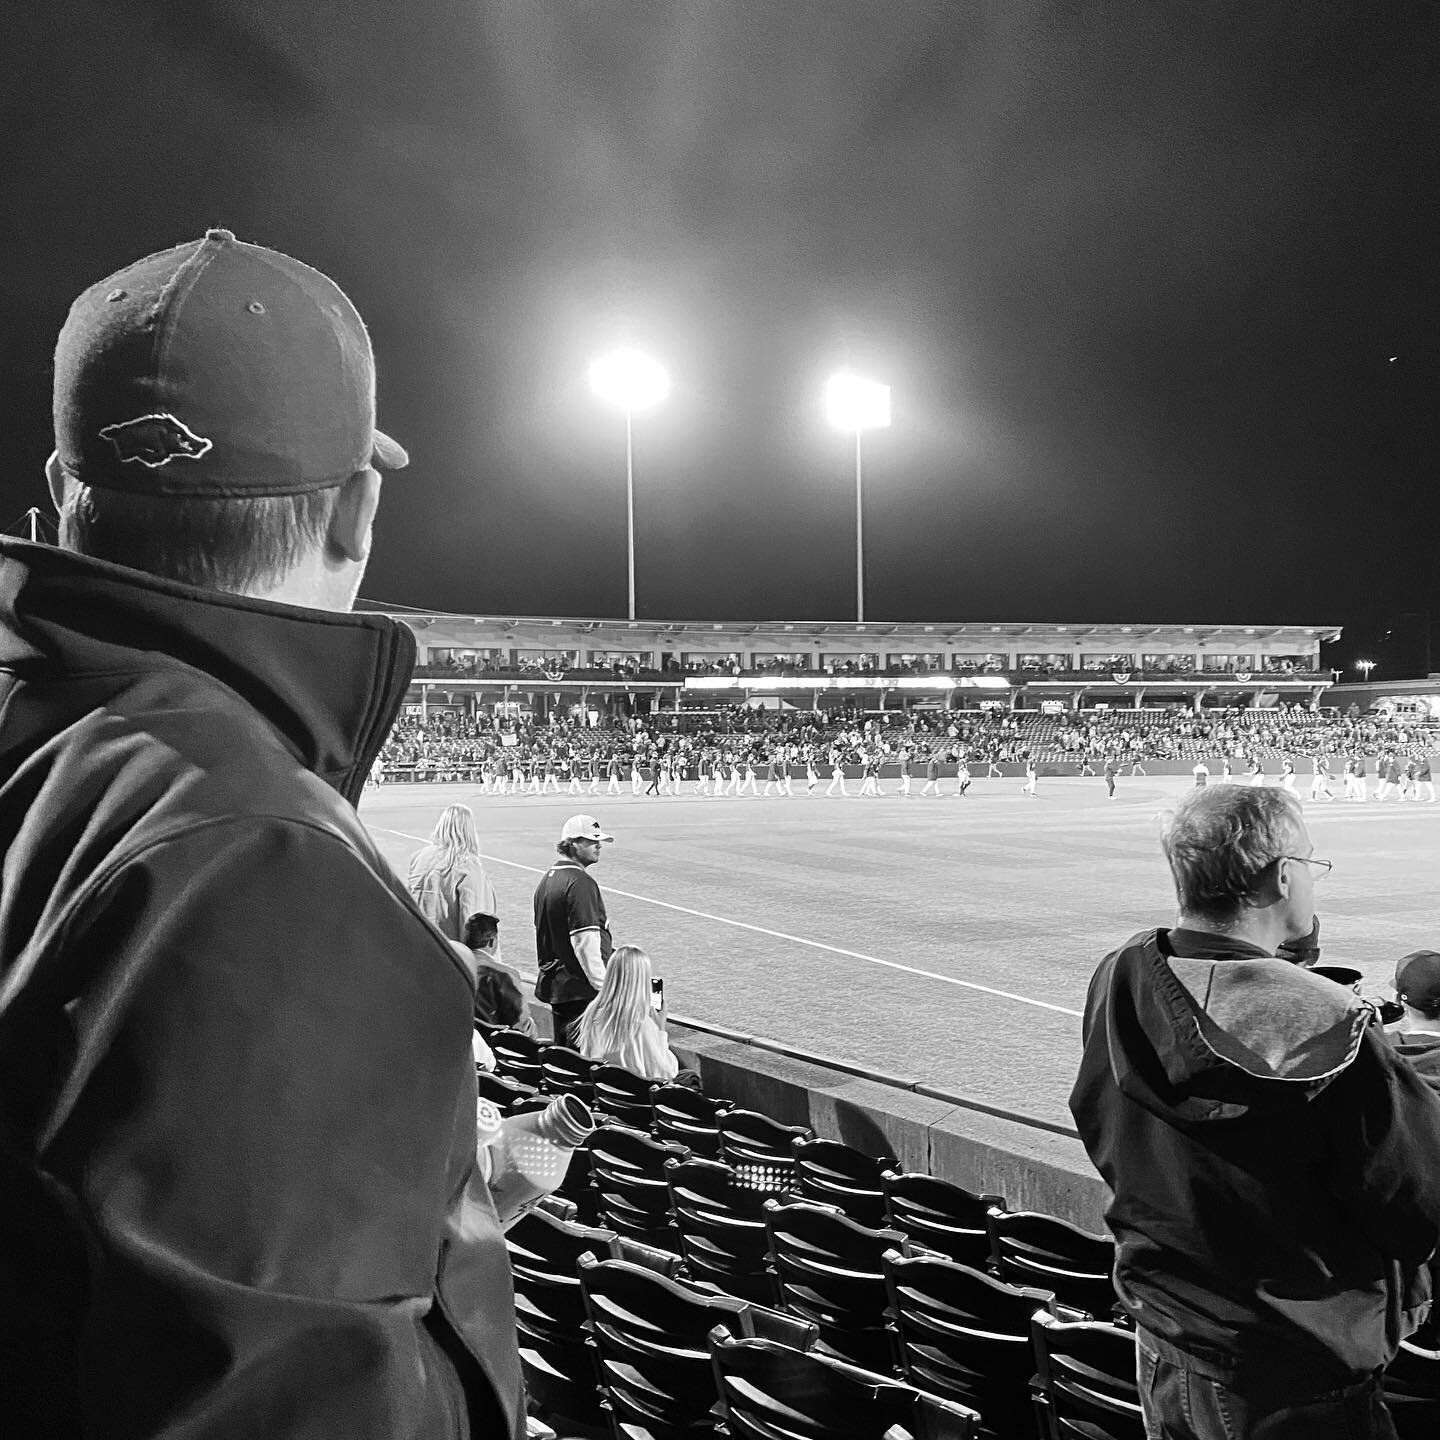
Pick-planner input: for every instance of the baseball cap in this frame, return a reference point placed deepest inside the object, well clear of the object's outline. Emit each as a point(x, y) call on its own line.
point(1417, 979)
point(217, 368)
point(583, 827)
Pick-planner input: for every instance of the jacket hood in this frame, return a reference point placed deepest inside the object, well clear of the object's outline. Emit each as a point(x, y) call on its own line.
point(1203, 1040)
point(329, 684)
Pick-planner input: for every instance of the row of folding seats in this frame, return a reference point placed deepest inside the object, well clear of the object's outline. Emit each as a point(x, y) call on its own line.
point(642, 1337)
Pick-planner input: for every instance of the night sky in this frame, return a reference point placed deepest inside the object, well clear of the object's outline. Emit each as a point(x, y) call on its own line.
point(1154, 284)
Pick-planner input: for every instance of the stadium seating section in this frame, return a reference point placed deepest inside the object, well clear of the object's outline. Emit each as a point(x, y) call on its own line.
point(706, 1271)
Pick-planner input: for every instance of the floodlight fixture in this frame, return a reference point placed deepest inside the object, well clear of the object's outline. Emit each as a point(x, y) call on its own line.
point(1365, 667)
point(630, 380)
point(853, 403)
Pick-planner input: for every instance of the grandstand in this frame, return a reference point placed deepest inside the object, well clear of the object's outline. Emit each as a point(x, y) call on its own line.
point(542, 663)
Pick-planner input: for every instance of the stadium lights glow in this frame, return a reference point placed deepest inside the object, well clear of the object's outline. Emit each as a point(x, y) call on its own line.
point(1365, 666)
point(631, 381)
point(854, 404)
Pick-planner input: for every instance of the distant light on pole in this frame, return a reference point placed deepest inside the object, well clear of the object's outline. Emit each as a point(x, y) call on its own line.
point(1365, 667)
point(854, 404)
point(631, 381)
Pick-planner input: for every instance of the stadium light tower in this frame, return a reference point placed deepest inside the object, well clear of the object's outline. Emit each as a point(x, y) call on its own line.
point(855, 405)
point(630, 381)
point(1365, 667)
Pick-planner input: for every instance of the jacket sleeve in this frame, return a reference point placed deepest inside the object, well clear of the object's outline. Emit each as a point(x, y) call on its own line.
point(1387, 1151)
point(268, 1116)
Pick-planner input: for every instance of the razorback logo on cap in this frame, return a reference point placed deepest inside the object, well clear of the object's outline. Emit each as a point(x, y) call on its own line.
point(155, 440)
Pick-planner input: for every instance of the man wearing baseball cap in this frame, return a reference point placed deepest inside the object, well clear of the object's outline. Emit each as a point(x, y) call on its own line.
point(572, 933)
point(1416, 1035)
point(237, 1179)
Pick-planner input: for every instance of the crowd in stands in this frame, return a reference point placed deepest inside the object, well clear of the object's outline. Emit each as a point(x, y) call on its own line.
point(523, 754)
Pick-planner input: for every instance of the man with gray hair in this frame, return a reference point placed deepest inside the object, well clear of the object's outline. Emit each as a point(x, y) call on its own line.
point(1272, 1162)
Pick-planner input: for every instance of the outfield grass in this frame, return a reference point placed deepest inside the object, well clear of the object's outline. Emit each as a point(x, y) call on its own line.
point(945, 939)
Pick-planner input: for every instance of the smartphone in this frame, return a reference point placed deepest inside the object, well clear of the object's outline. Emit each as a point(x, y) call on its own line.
point(657, 994)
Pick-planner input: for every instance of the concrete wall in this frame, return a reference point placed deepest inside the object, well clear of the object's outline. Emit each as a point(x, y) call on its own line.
point(1030, 1168)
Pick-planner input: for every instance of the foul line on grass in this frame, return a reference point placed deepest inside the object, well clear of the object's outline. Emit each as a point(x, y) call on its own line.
point(781, 935)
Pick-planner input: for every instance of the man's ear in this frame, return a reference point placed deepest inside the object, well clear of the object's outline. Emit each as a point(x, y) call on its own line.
point(353, 519)
point(55, 479)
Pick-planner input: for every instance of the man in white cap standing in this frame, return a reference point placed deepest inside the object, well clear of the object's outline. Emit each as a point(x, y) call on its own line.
point(572, 936)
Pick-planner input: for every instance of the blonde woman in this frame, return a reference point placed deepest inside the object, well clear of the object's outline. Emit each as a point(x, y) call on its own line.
point(447, 877)
point(620, 1027)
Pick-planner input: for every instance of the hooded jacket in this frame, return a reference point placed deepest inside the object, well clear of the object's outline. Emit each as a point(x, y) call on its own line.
point(238, 1193)
point(1274, 1168)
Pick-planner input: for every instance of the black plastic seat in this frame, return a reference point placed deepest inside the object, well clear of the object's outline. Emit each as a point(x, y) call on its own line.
point(686, 1117)
point(771, 1392)
point(760, 1150)
point(1084, 1386)
point(628, 1174)
point(830, 1173)
point(550, 1320)
point(966, 1336)
point(567, 1072)
point(623, 1097)
point(720, 1226)
point(650, 1341)
point(828, 1269)
point(1412, 1391)
point(1027, 1248)
point(517, 1056)
point(499, 1091)
point(940, 1216)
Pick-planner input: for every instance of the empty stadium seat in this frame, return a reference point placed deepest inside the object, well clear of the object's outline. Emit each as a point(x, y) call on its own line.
point(567, 1072)
point(624, 1097)
point(1084, 1387)
point(1027, 1248)
point(827, 1269)
point(550, 1318)
point(628, 1175)
point(499, 1091)
point(940, 1216)
point(759, 1149)
point(517, 1056)
point(720, 1226)
point(834, 1174)
point(686, 1117)
point(966, 1336)
point(769, 1391)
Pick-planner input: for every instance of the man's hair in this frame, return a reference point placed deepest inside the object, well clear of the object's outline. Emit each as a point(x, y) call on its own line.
point(481, 930)
point(233, 544)
point(568, 847)
point(1219, 840)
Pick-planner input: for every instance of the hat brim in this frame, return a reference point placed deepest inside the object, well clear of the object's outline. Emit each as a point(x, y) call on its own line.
point(602, 836)
point(388, 454)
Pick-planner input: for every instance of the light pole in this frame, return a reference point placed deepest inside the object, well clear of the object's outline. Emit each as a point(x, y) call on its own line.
point(630, 381)
point(854, 404)
point(1365, 667)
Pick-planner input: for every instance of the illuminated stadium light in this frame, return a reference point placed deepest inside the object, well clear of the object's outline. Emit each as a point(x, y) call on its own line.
point(854, 404)
point(630, 381)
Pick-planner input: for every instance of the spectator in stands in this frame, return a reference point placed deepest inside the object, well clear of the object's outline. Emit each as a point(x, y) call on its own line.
point(1416, 1035)
point(1275, 1195)
point(499, 998)
point(447, 877)
point(624, 1025)
point(220, 1214)
point(572, 933)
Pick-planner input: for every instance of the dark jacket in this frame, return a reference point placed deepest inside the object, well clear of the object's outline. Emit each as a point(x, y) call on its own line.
point(237, 1106)
point(1421, 1048)
point(1276, 1191)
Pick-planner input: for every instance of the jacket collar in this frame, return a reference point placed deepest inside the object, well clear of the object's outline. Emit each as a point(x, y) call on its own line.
point(330, 685)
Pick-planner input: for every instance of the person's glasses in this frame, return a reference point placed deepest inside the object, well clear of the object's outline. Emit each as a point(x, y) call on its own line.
point(1325, 866)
